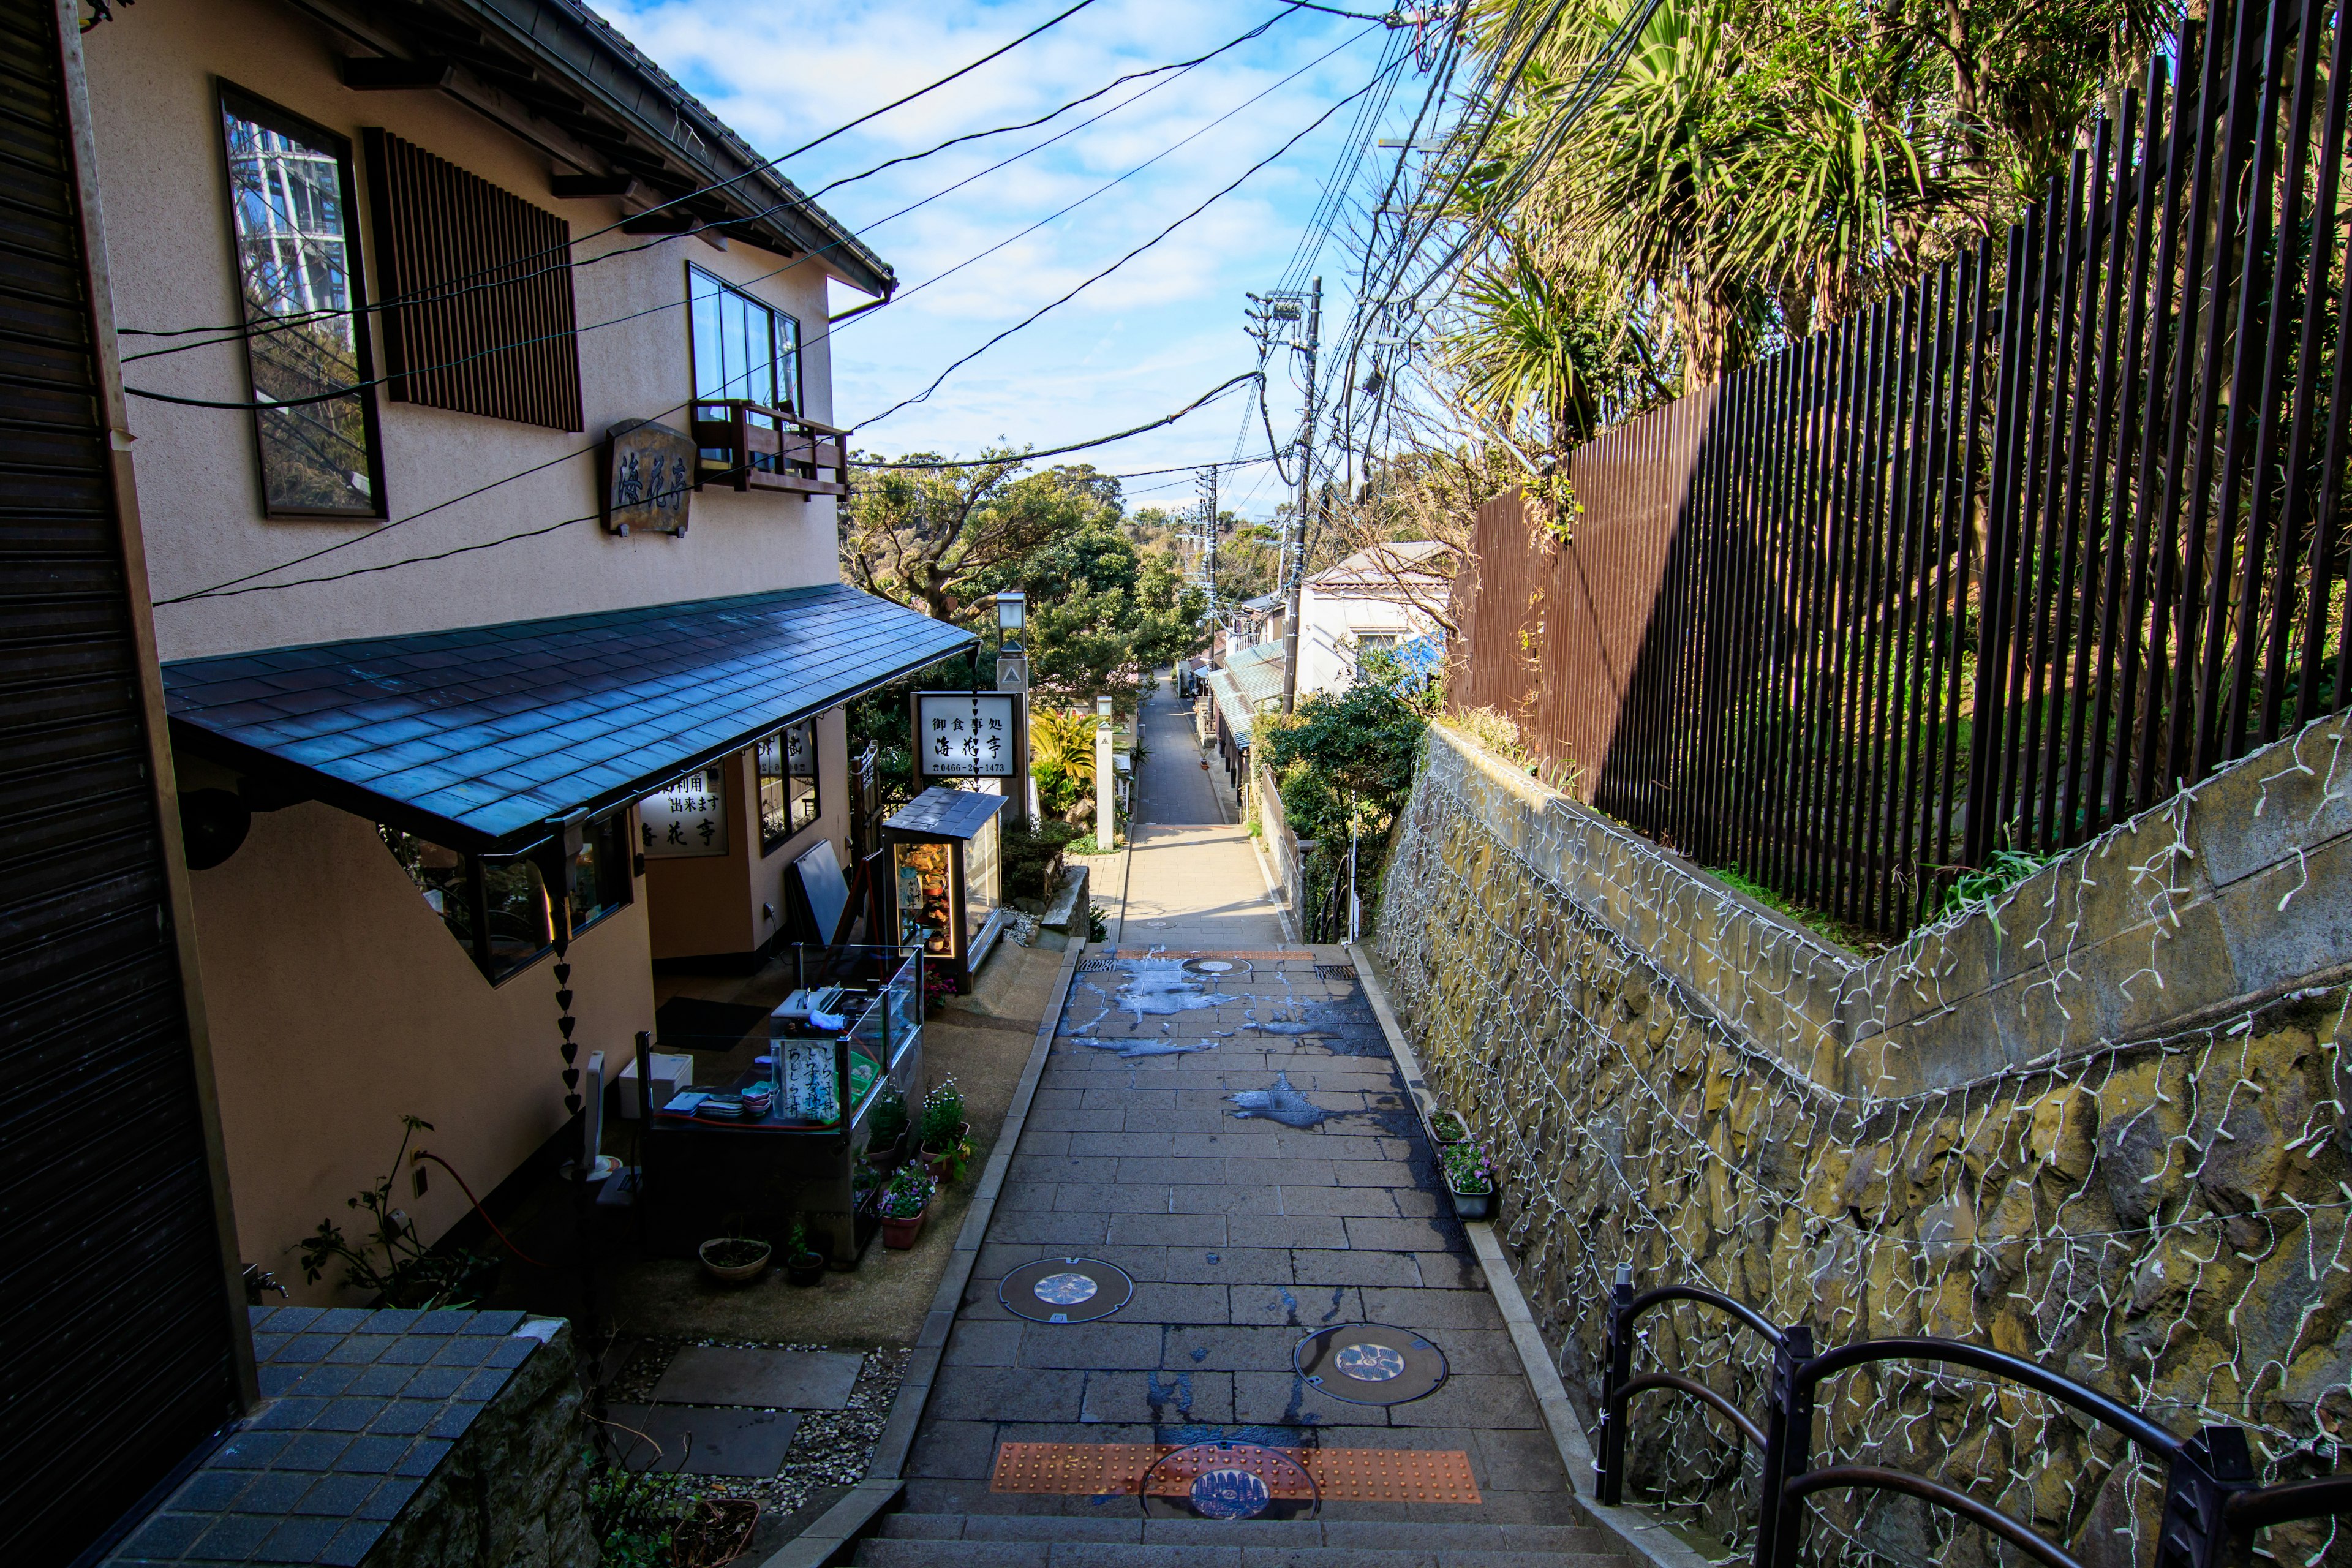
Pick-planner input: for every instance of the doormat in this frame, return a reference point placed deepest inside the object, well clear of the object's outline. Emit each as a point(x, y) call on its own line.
point(689, 1023)
point(1341, 1475)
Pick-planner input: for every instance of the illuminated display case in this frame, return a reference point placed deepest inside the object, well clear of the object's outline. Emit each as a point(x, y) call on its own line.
point(947, 881)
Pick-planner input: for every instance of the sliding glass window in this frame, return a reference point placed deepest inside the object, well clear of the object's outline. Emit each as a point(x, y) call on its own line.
point(290, 214)
point(742, 349)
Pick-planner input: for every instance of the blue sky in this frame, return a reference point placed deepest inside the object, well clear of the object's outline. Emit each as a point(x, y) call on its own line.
point(1142, 343)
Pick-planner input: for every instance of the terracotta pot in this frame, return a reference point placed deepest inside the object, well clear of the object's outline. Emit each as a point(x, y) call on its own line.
point(806, 1269)
point(734, 1273)
point(898, 1235)
point(938, 1164)
point(1473, 1206)
point(888, 1158)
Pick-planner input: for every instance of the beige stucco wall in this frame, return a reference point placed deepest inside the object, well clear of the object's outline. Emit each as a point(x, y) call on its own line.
point(712, 905)
point(340, 1002)
point(1329, 624)
point(152, 92)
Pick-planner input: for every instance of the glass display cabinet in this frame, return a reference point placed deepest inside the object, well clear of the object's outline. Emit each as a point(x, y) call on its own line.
point(948, 878)
point(788, 1138)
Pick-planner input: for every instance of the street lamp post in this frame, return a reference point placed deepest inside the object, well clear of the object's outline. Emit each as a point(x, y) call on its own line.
point(1106, 781)
point(1012, 675)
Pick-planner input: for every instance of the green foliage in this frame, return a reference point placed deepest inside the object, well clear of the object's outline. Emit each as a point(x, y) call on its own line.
point(390, 1263)
point(636, 1514)
point(888, 1118)
point(1061, 758)
point(1102, 614)
point(1098, 923)
point(1820, 922)
point(1467, 1169)
point(1088, 846)
point(1028, 856)
point(942, 1122)
point(2002, 869)
point(884, 716)
point(909, 1193)
point(1346, 759)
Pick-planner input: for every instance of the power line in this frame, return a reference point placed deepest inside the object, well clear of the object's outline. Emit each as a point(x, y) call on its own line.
point(545, 529)
point(1311, 127)
point(764, 166)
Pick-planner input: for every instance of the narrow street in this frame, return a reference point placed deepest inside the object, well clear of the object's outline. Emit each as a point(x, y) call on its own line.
point(1193, 878)
point(1222, 1131)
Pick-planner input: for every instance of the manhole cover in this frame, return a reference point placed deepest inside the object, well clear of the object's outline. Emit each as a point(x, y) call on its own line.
point(1212, 965)
point(1157, 925)
point(1370, 1363)
point(1064, 1290)
point(1229, 1480)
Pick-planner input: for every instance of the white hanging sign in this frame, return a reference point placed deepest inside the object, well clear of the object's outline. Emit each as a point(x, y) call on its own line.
point(960, 735)
point(685, 818)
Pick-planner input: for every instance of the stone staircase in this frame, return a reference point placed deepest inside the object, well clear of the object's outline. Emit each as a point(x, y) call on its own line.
point(1114, 1535)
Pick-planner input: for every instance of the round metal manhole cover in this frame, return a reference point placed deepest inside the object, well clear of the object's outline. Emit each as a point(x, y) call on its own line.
point(1370, 1363)
point(1228, 1480)
point(1064, 1290)
point(1210, 965)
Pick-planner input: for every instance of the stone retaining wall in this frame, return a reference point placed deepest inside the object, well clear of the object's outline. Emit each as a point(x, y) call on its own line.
point(2101, 1125)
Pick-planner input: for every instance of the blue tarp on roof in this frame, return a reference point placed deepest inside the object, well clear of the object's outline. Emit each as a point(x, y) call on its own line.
point(478, 737)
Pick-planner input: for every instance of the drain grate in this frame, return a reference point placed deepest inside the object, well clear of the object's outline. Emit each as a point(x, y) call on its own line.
point(1335, 972)
point(1095, 965)
point(1369, 1363)
point(1064, 1290)
point(1341, 1475)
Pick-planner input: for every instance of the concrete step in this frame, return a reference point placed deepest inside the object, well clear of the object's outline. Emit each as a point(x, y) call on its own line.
point(1566, 1539)
point(888, 1552)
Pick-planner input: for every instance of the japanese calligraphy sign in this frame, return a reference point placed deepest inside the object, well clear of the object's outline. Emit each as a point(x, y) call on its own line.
point(960, 735)
point(648, 477)
point(687, 818)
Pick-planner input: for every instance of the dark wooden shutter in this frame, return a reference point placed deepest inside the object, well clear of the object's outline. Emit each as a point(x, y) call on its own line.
point(114, 1309)
point(478, 288)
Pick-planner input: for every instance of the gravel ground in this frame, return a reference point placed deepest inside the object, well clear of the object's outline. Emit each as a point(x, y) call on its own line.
point(831, 1447)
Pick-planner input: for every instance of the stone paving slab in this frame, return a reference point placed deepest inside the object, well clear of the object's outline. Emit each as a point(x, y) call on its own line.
point(766, 1379)
point(1243, 1235)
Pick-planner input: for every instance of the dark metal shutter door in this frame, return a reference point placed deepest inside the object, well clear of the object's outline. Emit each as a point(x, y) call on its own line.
point(115, 1355)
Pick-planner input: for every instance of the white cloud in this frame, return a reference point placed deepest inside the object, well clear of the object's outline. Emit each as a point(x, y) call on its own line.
point(1137, 344)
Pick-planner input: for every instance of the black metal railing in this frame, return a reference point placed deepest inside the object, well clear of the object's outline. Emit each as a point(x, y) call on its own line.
point(2212, 1503)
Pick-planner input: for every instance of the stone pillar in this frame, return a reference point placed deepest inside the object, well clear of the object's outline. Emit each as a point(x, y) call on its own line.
point(1106, 781)
point(1012, 675)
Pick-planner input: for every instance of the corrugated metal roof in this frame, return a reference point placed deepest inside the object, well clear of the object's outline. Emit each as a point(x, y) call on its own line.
point(1247, 683)
point(478, 737)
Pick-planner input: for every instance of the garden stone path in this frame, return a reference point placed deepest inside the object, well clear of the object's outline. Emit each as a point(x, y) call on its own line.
point(1243, 1235)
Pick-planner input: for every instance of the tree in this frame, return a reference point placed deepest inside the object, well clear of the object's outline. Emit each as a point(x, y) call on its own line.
point(1102, 613)
point(928, 537)
point(1347, 759)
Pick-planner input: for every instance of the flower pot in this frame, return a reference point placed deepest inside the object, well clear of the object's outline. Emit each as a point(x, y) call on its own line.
point(888, 1156)
point(806, 1269)
point(1473, 1206)
point(937, 1160)
point(738, 1272)
point(1446, 1127)
point(898, 1235)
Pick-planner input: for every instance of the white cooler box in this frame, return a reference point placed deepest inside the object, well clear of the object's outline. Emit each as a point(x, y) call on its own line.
point(671, 1074)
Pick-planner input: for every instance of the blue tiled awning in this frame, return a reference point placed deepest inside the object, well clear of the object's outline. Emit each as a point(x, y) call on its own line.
point(478, 737)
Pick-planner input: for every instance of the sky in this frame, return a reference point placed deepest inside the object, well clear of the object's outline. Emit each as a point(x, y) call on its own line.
point(1146, 340)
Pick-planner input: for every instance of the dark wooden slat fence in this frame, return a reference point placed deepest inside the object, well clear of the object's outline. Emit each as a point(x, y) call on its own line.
point(1997, 561)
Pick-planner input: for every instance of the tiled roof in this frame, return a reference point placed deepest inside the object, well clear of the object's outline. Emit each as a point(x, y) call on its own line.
point(358, 1408)
point(477, 737)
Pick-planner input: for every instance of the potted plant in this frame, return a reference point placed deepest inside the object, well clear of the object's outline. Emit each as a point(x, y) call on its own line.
point(943, 1131)
point(886, 1138)
point(1447, 1127)
point(905, 1204)
point(804, 1264)
point(1470, 1176)
point(735, 1260)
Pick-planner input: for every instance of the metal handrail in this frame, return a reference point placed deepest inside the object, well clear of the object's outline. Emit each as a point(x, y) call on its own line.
point(2211, 1500)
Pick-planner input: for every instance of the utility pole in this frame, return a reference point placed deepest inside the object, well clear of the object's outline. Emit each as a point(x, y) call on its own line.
point(1298, 523)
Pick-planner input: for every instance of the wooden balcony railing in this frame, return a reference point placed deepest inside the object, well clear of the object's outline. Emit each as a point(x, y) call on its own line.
point(752, 448)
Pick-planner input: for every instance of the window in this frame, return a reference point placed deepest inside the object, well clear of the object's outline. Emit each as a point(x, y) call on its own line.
point(788, 793)
point(742, 349)
point(496, 905)
point(290, 199)
point(483, 321)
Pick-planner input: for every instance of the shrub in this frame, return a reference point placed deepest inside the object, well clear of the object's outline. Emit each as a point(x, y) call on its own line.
point(942, 1122)
point(909, 1193)
point(1030, 857)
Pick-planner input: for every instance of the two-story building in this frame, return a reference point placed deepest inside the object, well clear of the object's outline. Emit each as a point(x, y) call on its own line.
point(481, 413)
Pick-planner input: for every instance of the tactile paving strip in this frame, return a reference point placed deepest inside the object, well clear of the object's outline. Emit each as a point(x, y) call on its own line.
point(1344, 1475)
point(1369, 1363)
point(1065, 1291)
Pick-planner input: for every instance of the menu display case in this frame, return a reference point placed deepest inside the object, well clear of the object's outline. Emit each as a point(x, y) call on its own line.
point(946, 879)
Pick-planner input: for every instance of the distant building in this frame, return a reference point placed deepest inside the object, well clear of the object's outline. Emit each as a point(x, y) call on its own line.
point(1376, 598)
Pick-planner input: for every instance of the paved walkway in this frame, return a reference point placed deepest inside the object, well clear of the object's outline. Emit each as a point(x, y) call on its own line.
point(1193, 879)
point(1243, 1235)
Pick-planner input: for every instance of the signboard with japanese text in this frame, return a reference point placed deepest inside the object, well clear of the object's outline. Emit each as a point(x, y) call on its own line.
point(687, 818)
point(965, 735)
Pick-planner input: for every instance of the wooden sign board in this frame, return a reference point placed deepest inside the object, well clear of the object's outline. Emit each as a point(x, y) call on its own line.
point(648, 477)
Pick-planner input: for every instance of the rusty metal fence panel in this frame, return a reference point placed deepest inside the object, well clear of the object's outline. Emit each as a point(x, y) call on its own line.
point(1997, 561)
